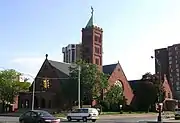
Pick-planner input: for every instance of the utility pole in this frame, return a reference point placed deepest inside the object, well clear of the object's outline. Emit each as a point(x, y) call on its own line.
point(160, 104)
point(33, 95)
point(79, 86)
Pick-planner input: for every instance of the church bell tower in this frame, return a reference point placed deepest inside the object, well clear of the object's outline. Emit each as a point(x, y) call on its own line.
point(92, 38)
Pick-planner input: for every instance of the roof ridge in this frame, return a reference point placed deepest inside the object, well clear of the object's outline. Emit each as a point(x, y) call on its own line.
point(59, 62)
point(61, 66)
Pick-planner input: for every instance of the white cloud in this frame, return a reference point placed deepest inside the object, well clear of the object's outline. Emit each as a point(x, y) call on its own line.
point(27, 60)
point(28, 65)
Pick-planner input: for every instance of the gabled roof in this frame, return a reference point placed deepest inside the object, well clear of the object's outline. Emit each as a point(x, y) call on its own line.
point(108, 69)
point(63, 67)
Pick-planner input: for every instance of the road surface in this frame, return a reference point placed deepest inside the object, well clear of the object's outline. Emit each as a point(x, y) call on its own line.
point(101, 120)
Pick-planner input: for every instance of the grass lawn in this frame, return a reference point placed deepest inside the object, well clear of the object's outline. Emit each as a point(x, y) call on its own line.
point(113, 113)
point(107, 113)
point(60, 115)
point(116, 113)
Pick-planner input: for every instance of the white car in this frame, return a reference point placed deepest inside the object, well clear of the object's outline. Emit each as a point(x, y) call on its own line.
point(83, 114)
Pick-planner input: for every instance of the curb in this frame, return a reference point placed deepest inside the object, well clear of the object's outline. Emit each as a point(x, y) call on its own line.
point(169, 117)
point(129, 115)
point(63, 118)
point(5, 115)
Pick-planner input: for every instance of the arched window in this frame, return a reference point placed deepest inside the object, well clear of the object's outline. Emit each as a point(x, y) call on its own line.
point(169, 95)
point(119, 83)
point(43, 103)
point(49, 104)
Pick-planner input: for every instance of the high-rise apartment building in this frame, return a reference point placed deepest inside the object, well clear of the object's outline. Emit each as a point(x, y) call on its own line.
point(162, 56)
point(169, 59)
point(71, 53)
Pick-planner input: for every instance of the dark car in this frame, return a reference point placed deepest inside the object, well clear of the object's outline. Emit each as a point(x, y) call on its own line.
point(38, 116)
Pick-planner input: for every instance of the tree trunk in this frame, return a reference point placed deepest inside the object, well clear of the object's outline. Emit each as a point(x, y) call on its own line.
point(3, 106)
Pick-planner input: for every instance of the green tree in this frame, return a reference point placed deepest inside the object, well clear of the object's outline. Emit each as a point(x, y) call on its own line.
point(113, 98)
point(7, 83)
point(143, 90)
point(69, 92)
point(157, 83)
point(114, 95)
point(10, 85)
point(153, 88)
point(21, 86)
point(92, 80)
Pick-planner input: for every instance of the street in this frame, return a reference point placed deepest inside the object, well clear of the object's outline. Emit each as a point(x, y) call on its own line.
point(132, 119)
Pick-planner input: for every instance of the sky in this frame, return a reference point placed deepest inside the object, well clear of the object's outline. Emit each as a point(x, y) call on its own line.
point(29, 29)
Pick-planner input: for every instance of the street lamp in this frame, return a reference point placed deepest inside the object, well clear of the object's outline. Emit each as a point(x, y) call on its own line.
point(33, 95)
point(159, 95)
point(79, 84)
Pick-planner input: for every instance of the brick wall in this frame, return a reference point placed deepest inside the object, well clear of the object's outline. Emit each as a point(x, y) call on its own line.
point(118, 74)
point(168, 92)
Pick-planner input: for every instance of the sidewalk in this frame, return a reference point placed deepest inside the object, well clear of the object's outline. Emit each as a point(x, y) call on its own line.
point(165, 116)
point(127, 115)
point(11, 114)
point(171, 120)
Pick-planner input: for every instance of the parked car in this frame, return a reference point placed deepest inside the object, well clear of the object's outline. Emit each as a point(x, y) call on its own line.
point(177, 113)
point(83, 114)
point(38, 116)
